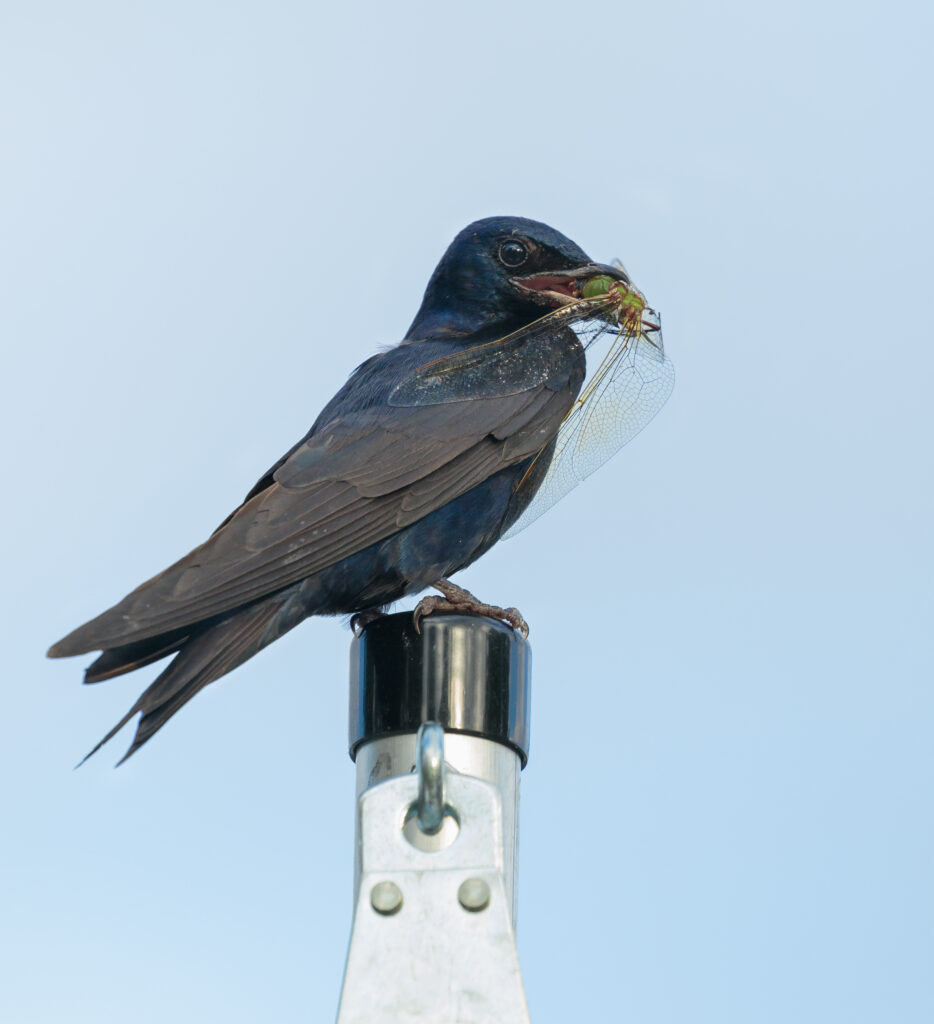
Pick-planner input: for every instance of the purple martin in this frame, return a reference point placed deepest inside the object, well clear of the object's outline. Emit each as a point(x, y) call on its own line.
point(412, 471)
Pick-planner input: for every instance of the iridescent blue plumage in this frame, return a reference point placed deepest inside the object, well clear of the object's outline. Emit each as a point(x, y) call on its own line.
point(411, 472)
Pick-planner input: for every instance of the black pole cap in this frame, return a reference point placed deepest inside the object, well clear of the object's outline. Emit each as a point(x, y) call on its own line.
point(467, 672)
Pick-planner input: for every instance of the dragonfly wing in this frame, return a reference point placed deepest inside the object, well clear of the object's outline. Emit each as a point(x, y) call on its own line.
point(636, 381)
point(532, 356)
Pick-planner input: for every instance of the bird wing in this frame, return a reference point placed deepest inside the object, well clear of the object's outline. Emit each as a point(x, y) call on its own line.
point(357, 479)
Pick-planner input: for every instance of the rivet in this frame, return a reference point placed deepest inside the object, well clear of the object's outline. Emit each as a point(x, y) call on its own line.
point(474, 895)
point(386, 898)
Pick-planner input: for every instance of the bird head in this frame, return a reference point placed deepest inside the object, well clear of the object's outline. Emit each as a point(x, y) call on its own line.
point(500, 274)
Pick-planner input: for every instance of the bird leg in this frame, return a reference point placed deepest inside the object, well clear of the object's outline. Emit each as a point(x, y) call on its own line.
point(360, 620)
point(456, 599)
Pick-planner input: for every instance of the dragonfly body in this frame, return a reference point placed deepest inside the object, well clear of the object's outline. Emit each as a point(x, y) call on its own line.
point(416, 467)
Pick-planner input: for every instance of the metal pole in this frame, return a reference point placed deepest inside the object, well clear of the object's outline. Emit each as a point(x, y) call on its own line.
point(439, 731)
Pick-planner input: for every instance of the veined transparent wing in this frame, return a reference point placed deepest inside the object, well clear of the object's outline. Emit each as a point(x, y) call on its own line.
point(629, 379)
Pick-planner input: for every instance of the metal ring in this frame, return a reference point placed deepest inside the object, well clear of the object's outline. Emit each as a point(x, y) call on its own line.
point(429, 765)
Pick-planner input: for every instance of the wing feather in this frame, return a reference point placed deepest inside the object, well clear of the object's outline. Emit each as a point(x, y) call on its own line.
point(356, 480)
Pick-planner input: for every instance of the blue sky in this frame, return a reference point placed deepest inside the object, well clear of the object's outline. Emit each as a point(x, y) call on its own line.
point(210, 214)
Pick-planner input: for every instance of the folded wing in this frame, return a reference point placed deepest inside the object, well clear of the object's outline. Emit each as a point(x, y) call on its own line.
point(359, 478)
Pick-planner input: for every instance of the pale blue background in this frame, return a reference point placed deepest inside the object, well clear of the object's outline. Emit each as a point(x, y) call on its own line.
point(211, 212)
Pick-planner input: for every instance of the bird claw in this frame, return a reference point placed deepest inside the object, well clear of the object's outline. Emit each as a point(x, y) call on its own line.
point(426, 606)
point(456, 599)
point(514, 618)
point(360, 620)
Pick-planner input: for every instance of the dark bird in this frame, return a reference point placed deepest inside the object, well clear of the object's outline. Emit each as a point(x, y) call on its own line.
point(413, 470)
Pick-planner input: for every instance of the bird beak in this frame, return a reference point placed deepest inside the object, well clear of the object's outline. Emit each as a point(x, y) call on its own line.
point(558, 288)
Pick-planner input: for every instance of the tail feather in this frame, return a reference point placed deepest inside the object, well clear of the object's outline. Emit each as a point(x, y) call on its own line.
point(117, 660)
point(201, 660)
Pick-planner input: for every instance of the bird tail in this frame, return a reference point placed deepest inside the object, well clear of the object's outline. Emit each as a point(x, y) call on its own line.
point(201, 659)
point(128, 657)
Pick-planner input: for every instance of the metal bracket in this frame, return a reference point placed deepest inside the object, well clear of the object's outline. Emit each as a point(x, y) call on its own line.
point(432, 938)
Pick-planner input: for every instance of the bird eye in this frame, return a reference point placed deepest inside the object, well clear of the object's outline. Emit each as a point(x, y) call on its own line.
point(513, 253)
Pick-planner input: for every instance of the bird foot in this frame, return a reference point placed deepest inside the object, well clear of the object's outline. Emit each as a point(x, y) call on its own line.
point(456, 599)
point(360, 620)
